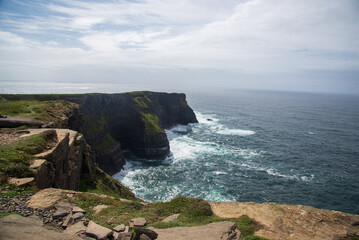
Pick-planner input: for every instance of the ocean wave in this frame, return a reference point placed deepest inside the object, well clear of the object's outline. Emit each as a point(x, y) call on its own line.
point(238, 132)
point(273, 172)
point(210, 122)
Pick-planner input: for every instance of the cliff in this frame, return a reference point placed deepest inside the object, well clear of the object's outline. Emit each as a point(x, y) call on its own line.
point(133, 121)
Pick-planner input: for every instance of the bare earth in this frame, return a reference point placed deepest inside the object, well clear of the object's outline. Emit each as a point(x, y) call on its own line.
point(297, 222)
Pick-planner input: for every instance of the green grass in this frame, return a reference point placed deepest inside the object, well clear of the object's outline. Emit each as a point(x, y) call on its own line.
point(50, 111)
point(101, 183)
point(245, 225)
point(14, 158)
point(152, 123)
point(142, 101)
point(193, 212)
point(107, 141)
point(7, 214)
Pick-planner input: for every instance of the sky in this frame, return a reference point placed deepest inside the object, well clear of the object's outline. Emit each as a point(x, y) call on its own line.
point(291, 45)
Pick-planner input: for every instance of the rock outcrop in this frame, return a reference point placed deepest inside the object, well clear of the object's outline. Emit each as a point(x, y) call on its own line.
point(60, 166)
point(295, 222)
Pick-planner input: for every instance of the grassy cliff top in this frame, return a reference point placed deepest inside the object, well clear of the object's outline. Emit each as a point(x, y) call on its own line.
point(49, 111)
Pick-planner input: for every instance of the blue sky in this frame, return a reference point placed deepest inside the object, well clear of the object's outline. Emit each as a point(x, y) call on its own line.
point(308, 45)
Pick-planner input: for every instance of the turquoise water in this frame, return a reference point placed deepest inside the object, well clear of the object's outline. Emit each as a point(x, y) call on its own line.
point(259, 146)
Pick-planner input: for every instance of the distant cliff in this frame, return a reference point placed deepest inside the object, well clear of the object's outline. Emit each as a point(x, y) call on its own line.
point(133, 121)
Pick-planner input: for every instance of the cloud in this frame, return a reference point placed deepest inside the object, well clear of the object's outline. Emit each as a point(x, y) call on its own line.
point(271, 38)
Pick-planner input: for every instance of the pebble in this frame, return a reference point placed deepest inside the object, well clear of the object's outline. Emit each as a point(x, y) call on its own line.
point(18, 205)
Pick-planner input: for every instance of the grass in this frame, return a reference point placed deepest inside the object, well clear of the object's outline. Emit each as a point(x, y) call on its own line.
point(107, 141)
point(14, 158)
point(246, 226)
point(152, 123)
point(101, 183)
point(7, 214)
point(8, 190)
point(50, 111)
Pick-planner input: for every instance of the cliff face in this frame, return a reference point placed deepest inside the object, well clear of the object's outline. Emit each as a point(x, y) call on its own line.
point(111, 123)
point(134, 121)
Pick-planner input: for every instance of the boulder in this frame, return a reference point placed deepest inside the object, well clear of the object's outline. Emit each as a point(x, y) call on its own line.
point(97, 231)
point(119, 228)
point(139, 232)
point(124, 236)
point(60, 213)
point(171, 218)
point(20, 182)
point(144, 237)
point(138, 222)
point(77, 216)
point(68, 221)
point(77, 228)
point(77, 210)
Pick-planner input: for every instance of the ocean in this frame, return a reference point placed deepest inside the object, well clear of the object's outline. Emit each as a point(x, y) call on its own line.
point(257, 146)
point(293, 148)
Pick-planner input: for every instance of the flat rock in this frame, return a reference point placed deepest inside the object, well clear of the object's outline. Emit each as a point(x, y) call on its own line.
point(98, 208)
point(97, 231)
point(68, 221)
point(37, 163)
point(46, 198)
point(171, 218)
point(78, 210)
point(60, 213)
point(75, 229)
point(119, 228)
point(77, 216)
point(16, 227)
point(20, 182)
point(284, 221)
point(138, 222)
point(124, 236)
point(212, 231)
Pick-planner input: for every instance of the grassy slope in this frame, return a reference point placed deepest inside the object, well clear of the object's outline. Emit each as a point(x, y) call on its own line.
point(193, 212)
point(14, 158)
point(150, 120)
point(50, 111)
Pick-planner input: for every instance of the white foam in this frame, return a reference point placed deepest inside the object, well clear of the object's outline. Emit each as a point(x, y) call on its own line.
point(238, 132)
point(273, 172)
point(209, 119)
point(212, 123)
point(220, 173)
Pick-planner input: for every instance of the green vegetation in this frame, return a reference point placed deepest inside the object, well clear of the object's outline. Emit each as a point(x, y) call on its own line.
point(246, 226)
point(107, 141)
point(50, 111)
point(152, 123)
point(193, 212)
point(101, 183)
point(142, 101)
point(14, 158)
point(7, 214)
point(7, 190)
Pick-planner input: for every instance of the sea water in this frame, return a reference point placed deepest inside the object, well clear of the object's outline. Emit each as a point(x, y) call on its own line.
point(295, 148)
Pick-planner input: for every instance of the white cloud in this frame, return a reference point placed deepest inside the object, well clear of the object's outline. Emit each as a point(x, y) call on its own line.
point(245, 37)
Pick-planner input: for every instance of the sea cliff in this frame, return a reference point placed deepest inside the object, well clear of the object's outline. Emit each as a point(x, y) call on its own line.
point(111, 123)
